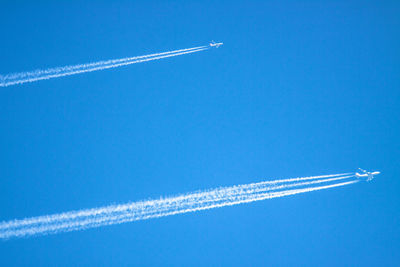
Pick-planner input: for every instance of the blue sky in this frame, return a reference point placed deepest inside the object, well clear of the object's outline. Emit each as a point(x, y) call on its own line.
point(297, 89)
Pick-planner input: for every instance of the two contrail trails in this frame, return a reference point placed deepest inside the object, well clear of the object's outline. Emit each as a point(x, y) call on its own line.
point(25, 77)
point(143, 210)
point(191, 202)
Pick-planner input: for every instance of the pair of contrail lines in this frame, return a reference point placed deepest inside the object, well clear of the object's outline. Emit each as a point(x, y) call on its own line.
point(32, 76)
point(196, 201)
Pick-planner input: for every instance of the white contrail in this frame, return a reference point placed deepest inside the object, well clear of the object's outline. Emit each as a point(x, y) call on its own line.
point(161, 208)
point(98, 211)
point(232, 201)
point(108, 209)
point(115, 214)
point(24, 77)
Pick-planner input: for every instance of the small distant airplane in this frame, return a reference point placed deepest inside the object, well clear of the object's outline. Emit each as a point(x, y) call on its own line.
point(364, 173)
point(214, 44)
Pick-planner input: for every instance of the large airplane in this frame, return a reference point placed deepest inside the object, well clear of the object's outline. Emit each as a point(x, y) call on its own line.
point(368, 175)
point(214, 44)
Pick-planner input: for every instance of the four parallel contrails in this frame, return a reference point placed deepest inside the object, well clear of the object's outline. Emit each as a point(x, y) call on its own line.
point(275, 184)
point(142, 210)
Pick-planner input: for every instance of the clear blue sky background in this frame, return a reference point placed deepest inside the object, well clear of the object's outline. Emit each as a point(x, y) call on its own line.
point(297, 89)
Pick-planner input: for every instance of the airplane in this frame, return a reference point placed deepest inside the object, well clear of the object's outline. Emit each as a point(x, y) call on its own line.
point(214, 44)
point(364, 173)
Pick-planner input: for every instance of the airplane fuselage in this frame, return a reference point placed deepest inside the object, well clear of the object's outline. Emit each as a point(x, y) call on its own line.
point(368, 175)
point(213, 44)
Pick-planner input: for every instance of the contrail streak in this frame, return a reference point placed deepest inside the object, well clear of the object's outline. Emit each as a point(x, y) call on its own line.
point(128, 212)
point(24, 77)
point(98, 211)
point(142, 210)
